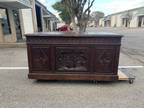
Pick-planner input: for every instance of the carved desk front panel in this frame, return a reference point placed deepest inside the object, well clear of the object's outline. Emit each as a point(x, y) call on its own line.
point(70, 58)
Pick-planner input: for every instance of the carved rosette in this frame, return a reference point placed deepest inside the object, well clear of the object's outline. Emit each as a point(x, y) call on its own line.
point(40, 58)
point(103, 60)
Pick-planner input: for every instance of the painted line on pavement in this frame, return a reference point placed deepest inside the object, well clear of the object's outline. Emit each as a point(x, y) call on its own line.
point(25, 68)
point(120, 67)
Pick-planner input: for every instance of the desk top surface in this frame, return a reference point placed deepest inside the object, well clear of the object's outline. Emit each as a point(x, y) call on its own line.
point(73, 34)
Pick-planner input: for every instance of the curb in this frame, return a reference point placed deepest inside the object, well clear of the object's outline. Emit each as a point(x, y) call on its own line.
point(12, 45)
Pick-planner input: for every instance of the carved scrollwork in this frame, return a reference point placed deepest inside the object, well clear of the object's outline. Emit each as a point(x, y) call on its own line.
point(71, 59)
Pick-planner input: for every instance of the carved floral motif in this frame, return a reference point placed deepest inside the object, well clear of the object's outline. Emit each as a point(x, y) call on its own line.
point(71, 59)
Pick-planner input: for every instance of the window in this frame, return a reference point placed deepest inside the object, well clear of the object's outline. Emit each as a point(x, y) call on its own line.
point(5, 22)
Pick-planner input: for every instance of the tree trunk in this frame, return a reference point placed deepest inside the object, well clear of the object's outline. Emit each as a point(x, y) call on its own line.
point(73, 24)
point(81, 29)
point(82, 25)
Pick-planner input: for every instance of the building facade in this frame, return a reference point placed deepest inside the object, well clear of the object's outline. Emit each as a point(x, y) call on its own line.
point(18, 17)
point(130, 18)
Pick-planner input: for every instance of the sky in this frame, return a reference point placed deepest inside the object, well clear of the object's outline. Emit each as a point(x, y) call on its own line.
point(106, 6)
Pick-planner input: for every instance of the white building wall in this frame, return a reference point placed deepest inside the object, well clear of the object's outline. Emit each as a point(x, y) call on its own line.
point(27, 21)
point(134, 21)
point(51, 22)
point(143, 22)
point(119, 20)
point(113, 21)
point(101, 22)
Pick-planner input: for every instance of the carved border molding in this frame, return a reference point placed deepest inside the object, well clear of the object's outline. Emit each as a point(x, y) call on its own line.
point(37, 40)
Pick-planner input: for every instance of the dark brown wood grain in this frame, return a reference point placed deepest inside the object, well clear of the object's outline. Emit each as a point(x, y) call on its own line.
point(73, 56)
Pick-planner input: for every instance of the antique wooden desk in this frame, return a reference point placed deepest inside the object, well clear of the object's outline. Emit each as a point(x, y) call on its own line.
point(73, 56)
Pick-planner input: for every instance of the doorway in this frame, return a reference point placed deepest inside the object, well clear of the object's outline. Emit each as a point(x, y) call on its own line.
point(140, 21)
point(107, 23)
point(125, 22)
point(39, 18)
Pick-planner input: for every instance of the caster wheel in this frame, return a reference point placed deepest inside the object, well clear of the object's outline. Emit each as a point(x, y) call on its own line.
point(131, 81)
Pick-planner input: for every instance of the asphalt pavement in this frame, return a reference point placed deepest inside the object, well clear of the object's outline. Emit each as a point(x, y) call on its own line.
point(17, 91)
point(132, 42)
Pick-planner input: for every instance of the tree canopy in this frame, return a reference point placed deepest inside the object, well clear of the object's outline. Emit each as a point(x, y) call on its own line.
point(75, 9)
point(81, 10)
point(63, 13)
